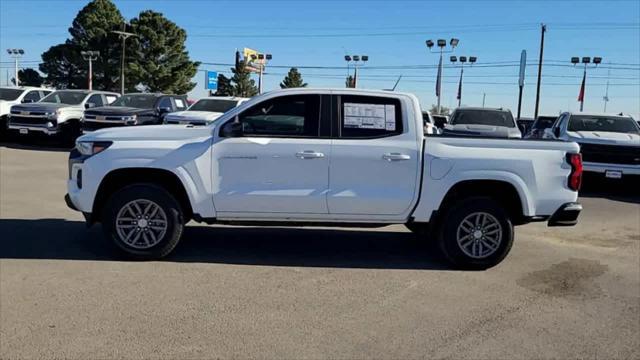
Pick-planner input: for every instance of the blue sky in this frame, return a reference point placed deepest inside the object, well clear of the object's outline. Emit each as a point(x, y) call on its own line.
point(392, 34)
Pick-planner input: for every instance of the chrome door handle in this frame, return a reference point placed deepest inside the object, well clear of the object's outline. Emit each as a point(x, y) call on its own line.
point(395, 157)
point(309, 154)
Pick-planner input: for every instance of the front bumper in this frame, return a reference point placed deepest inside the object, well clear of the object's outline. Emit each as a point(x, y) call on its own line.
point(566, 215)
point(603, 168)
point(33, 128)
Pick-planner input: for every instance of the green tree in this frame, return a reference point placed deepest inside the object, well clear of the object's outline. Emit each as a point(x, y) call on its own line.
point(293, 80)
point(443, 110)
point(61, 63)
point(243, 84)
point(29, 77)
point(91, 30)
point(160, 61)
point(224, 86)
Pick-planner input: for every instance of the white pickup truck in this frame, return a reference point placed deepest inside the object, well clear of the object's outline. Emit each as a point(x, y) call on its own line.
point(324, 157)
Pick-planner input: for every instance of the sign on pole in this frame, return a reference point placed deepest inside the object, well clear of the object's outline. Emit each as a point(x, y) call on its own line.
point(523, 65)
point(211, 80)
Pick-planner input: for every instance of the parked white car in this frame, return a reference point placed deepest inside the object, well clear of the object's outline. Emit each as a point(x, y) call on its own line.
point(610, 144)
point(482, 122)
point(59, 113)
point(342, 157)
point(13, 95)
point(204, 111)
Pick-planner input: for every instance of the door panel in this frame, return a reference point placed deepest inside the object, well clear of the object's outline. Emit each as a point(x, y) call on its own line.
point(375, 170)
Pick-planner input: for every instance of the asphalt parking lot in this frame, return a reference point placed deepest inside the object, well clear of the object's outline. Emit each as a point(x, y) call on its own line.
point(308, 293)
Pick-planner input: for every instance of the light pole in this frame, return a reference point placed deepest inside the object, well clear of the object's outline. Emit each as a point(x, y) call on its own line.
point(355, 59)
point(16, 54)
point(586, 61)
point(463, 59)
point(442, 43)
point(262, 63)
point(124, 36)
point(90, 56)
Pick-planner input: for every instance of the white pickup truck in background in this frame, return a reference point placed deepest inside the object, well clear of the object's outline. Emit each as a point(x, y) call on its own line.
point(324, 157)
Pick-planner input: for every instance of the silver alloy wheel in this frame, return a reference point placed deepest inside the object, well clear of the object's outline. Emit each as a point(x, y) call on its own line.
point(479, 235)
point(141, 224)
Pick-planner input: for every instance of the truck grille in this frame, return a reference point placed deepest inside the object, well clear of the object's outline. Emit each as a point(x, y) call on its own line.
point(92, 125)
point(29, 120)
point(610, 154)
point(103, 117)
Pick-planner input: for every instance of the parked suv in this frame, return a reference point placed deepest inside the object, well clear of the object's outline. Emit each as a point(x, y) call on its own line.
point(610, 144)
point(58, 113)
point(204, 111)
point(485, 122)
point(10, 96)
point(134, 109)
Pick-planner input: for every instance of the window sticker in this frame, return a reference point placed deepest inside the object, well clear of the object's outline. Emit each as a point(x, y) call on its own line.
point(370, 116)
point(179, 103)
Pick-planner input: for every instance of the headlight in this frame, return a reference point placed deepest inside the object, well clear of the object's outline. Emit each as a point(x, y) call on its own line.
point(52, 114)
point(90, 148)
point(130, 120)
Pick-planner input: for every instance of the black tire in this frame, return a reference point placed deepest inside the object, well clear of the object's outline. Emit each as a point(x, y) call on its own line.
point(465, 209)
point(157, 195)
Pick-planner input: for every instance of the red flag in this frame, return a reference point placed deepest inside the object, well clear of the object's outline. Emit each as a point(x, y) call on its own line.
point(438, 79)
point(581, 95)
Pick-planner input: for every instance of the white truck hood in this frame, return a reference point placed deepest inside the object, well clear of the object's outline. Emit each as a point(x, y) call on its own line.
point(149, 133)
point(194, 115)
point(604, 137)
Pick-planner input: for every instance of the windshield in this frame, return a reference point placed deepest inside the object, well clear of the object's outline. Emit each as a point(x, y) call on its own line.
point(65, 97)
point(482, 117)
point(603, 123)
point(214, 105)
point(10, 94)
point(544, 122)
point(140, 101)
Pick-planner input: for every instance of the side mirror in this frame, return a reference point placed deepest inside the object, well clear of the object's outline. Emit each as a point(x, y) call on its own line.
point(164, 110)
point(231, 129)
point(89, 105)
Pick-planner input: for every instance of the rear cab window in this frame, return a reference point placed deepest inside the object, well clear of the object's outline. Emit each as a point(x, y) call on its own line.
point(369, 117)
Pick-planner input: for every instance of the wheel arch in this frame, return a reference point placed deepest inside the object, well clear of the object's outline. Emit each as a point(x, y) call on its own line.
point(119, 178)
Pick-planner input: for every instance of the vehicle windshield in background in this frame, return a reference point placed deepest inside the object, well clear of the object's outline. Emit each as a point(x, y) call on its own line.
point(65, 97)
point(482, 117)
point(140, 101)
point(603, 123)
point(10, 94)
point(544, 122)
point(214, 105)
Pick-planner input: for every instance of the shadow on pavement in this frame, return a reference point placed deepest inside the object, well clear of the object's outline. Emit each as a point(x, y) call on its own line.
point(71, 240)
point(624, 190)
point(36, 144)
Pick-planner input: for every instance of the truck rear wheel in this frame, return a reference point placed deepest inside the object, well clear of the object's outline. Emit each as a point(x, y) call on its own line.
point(476, 233)
point(144, 221)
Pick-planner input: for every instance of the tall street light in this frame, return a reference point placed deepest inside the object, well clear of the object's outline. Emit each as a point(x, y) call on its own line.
point(262, 60)
point(463, 60)
point(16, 54)
point(124, 36)
point(90, 56)
point(442, 43)
point(356, 59)
point(586, 61)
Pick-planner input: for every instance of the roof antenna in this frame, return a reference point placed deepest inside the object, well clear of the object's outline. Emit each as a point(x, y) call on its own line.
point(396, 84)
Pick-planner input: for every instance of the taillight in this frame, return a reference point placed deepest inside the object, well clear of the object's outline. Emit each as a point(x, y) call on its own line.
point(575, 177)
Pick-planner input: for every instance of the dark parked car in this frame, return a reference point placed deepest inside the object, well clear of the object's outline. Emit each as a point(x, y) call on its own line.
point(538, 127)
point(133, 109)
point(524, 124)
point(440, 120)
point(482, 122)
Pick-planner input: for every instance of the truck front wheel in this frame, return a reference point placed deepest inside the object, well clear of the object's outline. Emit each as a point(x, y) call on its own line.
point(144, 221)
point(476, 233)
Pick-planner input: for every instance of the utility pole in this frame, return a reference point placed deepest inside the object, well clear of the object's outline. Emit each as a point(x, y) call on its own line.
point(523, 65)
point(543, 30)
point(124, 36)
point(16, 54)
point(606, 92)
point(90, 55)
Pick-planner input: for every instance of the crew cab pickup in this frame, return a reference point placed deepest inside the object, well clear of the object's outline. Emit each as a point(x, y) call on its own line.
point(58, 113)
point(133, 109)
point(609, 144)
point(325, 157)
point(14, 95)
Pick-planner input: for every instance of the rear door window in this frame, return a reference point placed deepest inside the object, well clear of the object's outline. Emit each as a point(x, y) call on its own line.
point(369, 117)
